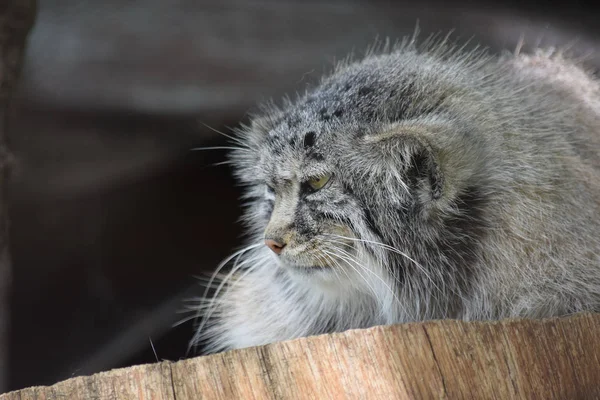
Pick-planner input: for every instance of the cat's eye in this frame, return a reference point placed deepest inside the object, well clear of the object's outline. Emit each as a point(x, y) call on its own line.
point(319, 182)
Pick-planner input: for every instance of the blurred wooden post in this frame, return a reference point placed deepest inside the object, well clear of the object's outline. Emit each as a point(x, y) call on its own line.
point(16, 19)
point(548, 359)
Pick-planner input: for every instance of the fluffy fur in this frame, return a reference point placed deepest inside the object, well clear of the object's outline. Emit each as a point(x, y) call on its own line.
point(461, 186)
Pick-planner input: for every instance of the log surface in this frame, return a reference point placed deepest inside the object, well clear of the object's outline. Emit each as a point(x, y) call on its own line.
point(549, 359)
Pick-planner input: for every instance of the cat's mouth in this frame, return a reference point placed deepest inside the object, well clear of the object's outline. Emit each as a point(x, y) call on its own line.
point(311, 260)
point(305, 258)
point(305, 263)
point(316, 256)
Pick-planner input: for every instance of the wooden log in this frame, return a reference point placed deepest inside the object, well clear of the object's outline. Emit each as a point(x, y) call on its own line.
point(16, 19)
point(547, 359)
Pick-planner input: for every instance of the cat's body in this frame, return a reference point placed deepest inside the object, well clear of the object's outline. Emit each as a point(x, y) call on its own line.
point(451, 186)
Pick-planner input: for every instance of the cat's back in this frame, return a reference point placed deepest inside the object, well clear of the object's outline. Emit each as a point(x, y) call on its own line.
point(572, 94)
point(545, 254)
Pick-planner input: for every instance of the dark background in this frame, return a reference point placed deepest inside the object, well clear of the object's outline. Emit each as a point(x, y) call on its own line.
point(112, 215)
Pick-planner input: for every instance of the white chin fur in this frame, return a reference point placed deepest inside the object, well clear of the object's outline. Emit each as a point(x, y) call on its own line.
point(270, 303)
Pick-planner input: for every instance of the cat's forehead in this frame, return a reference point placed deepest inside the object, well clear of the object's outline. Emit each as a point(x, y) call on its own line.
point(316, 120)
point(307, 135)
point(299, 133)
point(298, 146)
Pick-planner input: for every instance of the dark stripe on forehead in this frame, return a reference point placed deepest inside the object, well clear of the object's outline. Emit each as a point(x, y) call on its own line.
point(309, 139)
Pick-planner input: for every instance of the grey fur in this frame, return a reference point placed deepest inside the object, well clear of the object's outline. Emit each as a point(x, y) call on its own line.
point(463, 186)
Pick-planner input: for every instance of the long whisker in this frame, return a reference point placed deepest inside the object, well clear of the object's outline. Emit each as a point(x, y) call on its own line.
point(204, 305)
point(324, 258)
point(337, 256)
point(349, 257)
point(232, 138)
point(383, 245)
point(386, 285)
point(257, 262)
point(225, 261)
point(211, 306)
point(237, 254)
point(394, 250)
point(218, 164)
point(335, 262)
point(337, 266)
point(234, 269)
point(394, 273)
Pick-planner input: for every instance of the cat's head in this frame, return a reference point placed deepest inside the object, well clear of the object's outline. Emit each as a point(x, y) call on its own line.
point(357, 176)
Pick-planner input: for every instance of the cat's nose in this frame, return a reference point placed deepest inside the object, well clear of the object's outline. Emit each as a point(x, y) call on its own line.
point(275, 245)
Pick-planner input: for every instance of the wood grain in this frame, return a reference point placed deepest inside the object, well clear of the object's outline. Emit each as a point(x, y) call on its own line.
point(547, 359)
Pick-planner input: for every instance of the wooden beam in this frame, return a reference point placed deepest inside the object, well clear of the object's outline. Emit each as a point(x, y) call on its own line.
point(547, 359)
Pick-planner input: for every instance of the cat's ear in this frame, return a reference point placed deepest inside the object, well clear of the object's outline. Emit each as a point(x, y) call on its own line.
point(410, 156)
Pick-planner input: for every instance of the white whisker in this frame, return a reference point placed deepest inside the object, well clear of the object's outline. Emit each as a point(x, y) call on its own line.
point(393, 250)
point(335, 255)
point(232, 138)
point(209, 285)
point(349, 258)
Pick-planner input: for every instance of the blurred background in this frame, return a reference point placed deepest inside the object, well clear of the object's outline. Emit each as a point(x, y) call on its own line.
point(112, 215)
